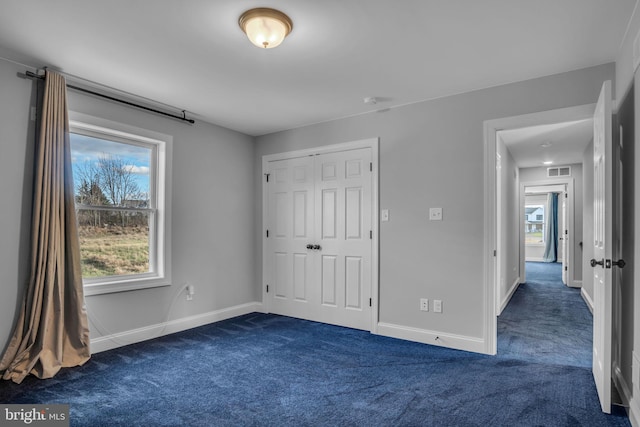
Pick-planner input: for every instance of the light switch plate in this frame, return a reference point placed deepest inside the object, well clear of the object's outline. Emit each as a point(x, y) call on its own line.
point(435, 214)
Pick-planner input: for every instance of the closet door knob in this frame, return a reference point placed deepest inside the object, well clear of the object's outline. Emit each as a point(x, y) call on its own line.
point(317, 247)
point(594, 262)
point(309, 246)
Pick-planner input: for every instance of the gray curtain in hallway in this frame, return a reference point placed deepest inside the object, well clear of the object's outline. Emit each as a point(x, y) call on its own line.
point(551, 231)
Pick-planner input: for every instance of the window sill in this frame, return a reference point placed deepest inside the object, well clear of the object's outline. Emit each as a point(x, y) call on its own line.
point(123, 285)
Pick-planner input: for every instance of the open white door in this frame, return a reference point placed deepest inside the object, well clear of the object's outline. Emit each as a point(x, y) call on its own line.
point(602, 242)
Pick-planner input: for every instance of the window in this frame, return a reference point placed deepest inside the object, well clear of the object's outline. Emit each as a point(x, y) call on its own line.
point(534, 224)
point(119, 177)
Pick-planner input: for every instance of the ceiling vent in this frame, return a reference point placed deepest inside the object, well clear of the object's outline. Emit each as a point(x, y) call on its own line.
point(559, 171)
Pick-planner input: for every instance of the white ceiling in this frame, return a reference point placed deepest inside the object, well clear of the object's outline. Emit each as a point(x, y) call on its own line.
point(561, 143)
point(191, 54)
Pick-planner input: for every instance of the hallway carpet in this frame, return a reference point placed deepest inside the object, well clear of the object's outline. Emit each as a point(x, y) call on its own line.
point(546, 321)
point(267, 370)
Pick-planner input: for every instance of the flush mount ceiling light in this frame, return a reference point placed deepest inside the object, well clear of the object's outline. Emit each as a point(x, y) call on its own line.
point(265, 27)
point(548, 162)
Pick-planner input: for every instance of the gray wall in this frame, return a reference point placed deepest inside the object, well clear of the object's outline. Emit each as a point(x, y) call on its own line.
point(17, 139)
point(431, 155)
point(623, 333)
point(627, 80)
point(540, 174)
point(635, 403)
point(509, 178)
point(212, 211)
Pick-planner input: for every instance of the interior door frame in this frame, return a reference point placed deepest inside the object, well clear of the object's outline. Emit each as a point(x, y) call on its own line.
point(491, 128)
point(372, 143)
point(569, 184)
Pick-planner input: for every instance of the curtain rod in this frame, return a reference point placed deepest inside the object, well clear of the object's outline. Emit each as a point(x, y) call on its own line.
point(122, 101)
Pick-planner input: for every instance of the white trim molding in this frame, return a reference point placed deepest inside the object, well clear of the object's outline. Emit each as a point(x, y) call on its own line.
point(634, 412)
point(568, 185)
point(621, 384)
point(507, 298)
point(120, 339)
point(634, 403)
point(587, 299)
point(459, 342)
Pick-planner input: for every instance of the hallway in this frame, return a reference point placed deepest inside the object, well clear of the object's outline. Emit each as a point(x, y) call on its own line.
point(546, 321)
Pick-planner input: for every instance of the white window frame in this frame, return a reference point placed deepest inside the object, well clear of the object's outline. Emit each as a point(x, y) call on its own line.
point(160, 202)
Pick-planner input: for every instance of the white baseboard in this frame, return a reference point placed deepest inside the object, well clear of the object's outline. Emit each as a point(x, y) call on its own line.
point(507, 298)
point(534, 259)
point(634, 412)
point(576, 284)
point(634, 404)
point(459, 342)
point(119, 339)
point(587, 299)
point(621, 384)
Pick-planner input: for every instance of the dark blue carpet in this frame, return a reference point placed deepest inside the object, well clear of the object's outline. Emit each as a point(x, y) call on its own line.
point(270, 370)
point(546, 321)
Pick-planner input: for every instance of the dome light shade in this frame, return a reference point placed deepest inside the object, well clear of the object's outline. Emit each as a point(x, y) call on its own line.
point(265, 27)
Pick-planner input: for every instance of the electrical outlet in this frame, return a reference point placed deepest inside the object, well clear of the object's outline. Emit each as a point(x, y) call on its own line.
point(424, 304)
point(437, 306)
point(385, 215)
point(191, 290)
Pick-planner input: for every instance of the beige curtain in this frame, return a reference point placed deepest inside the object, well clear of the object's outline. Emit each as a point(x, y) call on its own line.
point(52, 330)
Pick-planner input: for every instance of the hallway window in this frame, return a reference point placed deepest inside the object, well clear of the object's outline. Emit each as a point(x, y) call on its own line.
point(534, 221)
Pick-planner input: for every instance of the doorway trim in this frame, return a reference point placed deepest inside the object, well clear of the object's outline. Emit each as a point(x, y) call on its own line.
point(491, 127)
point(372, 143)
point(569, 185)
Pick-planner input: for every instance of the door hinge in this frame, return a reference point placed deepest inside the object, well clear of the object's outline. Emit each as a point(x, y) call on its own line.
point(267, 176)
point(370, 302)
point(370, 166)
point(371, 234)
point(267, 288)
point(565, 268)
point(267, 233)
point(566, 195)
point(495, 252)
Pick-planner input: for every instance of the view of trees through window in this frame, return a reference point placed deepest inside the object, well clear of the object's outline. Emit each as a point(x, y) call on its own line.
point(534, 220)
point(112, 194)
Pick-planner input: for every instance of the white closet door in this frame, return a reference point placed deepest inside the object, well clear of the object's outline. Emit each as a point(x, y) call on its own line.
point(291, 228)
point(319, 247)
point(343, 226)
